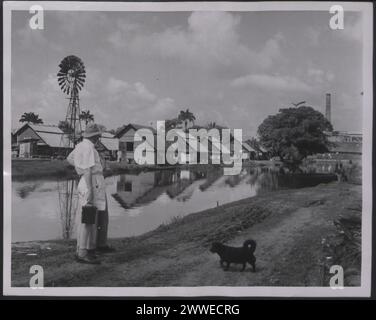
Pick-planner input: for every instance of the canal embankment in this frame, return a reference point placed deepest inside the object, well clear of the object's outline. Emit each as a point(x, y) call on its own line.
point(288, 225)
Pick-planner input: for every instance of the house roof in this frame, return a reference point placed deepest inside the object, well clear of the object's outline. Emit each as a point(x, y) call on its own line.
point(109, 141)
point(55, 140)
point(256, 147)
point(248, 147)
point(40, 128)
point(49, 134)
point(135, 127)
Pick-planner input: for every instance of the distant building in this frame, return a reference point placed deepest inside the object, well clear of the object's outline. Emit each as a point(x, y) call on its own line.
point(46, 141)
point(127, 145)
point(343, 142)
point(260, 153)
point(109, 145)
point(249, 153)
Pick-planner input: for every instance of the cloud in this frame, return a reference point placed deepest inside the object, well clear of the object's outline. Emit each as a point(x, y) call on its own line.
point(142, 105)
point(72, 23)
point(143, 92)
point(318, 76)
point(115, 86)
point(43, 101)
point(124, 28)
point(210, 40)
point(313, 35)
point(271, 82)
point(26, 38)
point(353, 30)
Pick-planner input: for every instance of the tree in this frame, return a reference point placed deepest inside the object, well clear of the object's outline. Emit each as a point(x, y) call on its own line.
point(101, 127)
point(86, 116)
point(211, 125)
point(186, 117)
point(31, 117)
point(171, 124)
point(295, 133)
point(65, 127)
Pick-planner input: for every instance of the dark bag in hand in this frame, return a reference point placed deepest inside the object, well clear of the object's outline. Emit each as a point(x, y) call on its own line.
point(88, 214)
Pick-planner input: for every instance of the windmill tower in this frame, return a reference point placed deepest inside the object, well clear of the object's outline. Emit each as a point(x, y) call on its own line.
point(71, 78)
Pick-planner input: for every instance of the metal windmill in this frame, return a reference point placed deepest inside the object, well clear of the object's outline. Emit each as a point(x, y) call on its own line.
point(71, 78)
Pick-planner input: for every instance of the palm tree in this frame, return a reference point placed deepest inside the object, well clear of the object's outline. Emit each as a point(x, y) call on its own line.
point(31, 117)
point(186, 116)
point(211, 125)
point(86, 116)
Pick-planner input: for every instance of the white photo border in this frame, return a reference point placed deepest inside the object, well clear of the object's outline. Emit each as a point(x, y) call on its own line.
point(363, 291)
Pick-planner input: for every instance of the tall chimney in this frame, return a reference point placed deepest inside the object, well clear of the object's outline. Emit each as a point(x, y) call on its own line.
point(328, 107)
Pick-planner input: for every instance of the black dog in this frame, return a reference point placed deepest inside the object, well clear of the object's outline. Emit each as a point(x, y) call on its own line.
point(240, 255)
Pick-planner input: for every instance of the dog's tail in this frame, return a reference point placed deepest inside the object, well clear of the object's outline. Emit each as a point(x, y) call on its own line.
point(250, 244)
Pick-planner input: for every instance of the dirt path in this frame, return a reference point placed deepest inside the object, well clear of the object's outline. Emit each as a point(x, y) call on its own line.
point(287, 225)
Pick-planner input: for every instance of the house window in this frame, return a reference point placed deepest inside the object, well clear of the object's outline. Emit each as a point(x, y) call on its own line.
point(129, 146)
point(128, 186)
point(122, 145)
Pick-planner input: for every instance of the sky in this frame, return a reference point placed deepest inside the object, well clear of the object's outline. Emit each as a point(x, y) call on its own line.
point(233, 68)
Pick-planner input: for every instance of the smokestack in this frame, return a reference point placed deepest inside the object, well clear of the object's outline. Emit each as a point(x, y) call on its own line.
point(328, 107)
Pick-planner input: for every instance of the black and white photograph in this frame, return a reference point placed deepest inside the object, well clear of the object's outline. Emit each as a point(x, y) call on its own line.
point(187, 149)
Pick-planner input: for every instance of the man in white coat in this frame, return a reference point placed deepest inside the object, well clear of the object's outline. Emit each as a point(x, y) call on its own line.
point(91, 189)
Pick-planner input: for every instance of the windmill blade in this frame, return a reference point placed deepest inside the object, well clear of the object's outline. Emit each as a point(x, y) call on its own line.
point(72, 72)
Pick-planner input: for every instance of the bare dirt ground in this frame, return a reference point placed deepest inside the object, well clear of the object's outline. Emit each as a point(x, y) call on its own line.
point(289, 227)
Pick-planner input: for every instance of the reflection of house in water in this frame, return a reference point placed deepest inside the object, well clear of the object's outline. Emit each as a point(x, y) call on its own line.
point(25, 189)
point(134, 189)
point(233, 181)
point(185, 178)
point(187, 193)
point(137, 189)
point(211, 177)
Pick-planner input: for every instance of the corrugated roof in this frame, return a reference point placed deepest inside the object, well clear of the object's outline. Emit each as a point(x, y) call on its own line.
point(54, 139)
point(46, 128)
point(40, 127)
point(50, 134)
point(109, 141)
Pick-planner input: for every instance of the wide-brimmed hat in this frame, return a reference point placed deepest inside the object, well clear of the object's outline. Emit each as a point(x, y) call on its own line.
point(92, 129)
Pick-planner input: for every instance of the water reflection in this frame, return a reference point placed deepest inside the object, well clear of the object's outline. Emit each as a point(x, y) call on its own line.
point(24, 190)
point(68, 202)
point(140, 202)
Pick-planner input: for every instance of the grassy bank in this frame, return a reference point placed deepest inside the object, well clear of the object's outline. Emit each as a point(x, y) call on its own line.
point(289, 227)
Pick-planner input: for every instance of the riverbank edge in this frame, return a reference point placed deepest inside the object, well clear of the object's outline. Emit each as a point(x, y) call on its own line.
point(223, 223)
